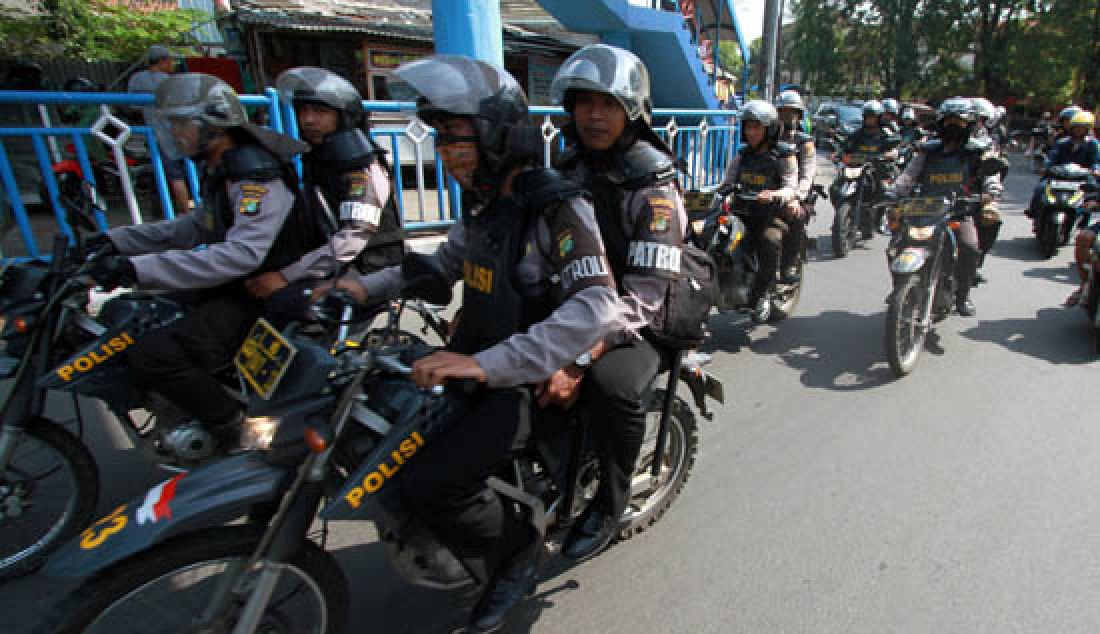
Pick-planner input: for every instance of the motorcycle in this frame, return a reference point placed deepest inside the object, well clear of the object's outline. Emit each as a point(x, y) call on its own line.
point(346, 424)
point(922, 254)
point(859, 178)
point(1061, 207)
point(49, 481)
point(722, 234)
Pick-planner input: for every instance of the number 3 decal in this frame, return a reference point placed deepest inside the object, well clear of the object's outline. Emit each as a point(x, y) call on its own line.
point(104, 528)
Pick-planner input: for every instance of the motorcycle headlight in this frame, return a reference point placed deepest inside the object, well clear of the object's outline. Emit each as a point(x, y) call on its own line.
point(921, 233)
point(697, 226)
point(258, 431)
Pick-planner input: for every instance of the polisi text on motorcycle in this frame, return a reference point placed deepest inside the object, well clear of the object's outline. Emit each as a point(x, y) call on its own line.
point(92, 358)
point(374, 480)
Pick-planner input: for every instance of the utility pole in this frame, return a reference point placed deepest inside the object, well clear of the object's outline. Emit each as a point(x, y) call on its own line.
point(770, 52)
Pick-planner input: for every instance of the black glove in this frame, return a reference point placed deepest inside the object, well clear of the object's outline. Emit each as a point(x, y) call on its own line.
point(100, 244)
point(113, 271)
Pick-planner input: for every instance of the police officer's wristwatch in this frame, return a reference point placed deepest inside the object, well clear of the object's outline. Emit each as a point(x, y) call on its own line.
point(584, 361)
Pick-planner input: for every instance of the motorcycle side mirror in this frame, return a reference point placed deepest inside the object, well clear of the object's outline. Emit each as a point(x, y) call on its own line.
point(425, 279)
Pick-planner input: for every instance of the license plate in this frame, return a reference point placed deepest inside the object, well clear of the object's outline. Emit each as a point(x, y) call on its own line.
point(264, 358)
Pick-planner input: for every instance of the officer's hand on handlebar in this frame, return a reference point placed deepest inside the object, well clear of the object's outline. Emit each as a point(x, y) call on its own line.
point(765, 196)
point(352, 287)
point(112, 272)
point(99, 245)
point(437, 367)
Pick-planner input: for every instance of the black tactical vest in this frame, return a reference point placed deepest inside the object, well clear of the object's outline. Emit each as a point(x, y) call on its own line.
point(301, 232)
point(493, 307)
point(945, 174)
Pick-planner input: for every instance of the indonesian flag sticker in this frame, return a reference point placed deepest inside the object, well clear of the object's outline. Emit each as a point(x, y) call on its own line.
point(156, 505)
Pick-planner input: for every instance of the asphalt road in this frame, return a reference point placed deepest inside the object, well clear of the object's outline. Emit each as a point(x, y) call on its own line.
point(827, 496)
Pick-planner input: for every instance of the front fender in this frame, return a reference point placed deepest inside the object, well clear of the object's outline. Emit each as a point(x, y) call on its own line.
point(910, 260)
point(208, 496)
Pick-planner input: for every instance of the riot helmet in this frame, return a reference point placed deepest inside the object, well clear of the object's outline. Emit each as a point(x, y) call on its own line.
point(873, 107)
point(610, 70)
point(909, 116)
point(445, 86)
point(955, 107)
point(791, 100)
point(984, 109)
point(308, 84)
point(192, 109)
point(1066, 114)
point(764, 113)
point(891, 106)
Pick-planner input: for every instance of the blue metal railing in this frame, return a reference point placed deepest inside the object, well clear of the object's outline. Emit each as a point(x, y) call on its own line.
point(702, 139)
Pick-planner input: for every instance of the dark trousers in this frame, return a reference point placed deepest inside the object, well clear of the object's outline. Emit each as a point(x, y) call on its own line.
point(967, 264)
point(612, 395)
point(769, 233)
point(180, 359)
point(446, 487)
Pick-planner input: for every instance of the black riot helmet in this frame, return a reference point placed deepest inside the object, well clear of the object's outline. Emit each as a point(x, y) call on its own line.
point(766, 114)
point(307, 84)
point(452, 85)
point(201, 101)
point(610, 70)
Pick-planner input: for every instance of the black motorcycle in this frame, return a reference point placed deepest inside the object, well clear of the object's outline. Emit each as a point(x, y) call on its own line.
point(922, 255)
point(347, 422)
point(723, 233)
point(1061, 207)
point(854, 194)
point(49, 481)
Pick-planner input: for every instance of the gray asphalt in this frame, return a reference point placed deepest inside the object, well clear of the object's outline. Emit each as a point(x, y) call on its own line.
point(827, 496)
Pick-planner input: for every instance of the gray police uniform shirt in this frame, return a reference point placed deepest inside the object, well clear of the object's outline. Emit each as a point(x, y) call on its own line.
point(588, 307)
point(788, 177)
point(163, 255)
point(359, 214)
point(807, 165)
point(653, 219)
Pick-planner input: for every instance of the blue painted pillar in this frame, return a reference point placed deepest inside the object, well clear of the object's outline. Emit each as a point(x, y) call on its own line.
point(616, 38)
point(469, 27)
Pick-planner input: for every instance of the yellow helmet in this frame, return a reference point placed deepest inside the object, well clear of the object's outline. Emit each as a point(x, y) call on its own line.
point(1084, 118)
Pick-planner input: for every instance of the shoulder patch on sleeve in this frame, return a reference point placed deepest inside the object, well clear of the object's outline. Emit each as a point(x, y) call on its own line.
point(566, 243)
point(358, 183)
point(662, 208)
point(252, 196)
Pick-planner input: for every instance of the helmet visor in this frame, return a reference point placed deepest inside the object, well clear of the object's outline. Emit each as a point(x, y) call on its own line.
point(450, 83)
point(606, 69)
point(316, 85)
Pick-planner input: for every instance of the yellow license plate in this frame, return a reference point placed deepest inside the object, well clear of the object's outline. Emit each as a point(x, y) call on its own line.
point(264, 358)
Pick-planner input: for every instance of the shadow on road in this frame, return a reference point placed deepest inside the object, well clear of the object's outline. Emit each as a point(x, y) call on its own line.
point(1057, 273)
point(1060, 336)
point(1022, 248)
point(835, 350)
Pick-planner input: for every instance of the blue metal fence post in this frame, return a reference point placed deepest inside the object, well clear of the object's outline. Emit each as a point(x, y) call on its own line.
point(469, 27)
point(11, 190)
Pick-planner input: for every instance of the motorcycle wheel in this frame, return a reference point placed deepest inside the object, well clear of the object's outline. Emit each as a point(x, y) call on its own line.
point(651, 497)
point(904, 336)
point(843, 235)
point(785, 297)
point(48, 493)
point(165, 588)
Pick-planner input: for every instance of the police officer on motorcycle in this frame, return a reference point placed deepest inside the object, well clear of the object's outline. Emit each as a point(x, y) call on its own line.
point(1080, 147)
point(346, 182)
point(910, 130)
point(631, 176)
point(768, 167)
point(538, 295)
point(891, 110)
point(250, 218)
point(874, 140)
point(946, 166)
point(791, 113)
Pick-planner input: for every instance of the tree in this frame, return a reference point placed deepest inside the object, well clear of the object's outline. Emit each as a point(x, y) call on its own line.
point(96, 30)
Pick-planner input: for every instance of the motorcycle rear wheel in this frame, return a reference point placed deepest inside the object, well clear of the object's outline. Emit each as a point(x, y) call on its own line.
point(651, 498)
point(904, 336)
point(117, 600)
point(843, 232)
point(50, 470)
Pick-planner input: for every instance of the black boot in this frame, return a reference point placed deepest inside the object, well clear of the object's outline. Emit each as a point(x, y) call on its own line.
point(514, 581)
point(762, 308)
point(965, 307)
point(590, 535)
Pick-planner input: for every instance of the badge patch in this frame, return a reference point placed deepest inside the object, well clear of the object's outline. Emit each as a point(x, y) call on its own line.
point(662, 213)
point(566, 243)
point(249, 206)
point(357, 186)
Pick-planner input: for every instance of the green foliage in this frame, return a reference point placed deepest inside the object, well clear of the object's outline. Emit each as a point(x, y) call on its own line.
point(95, 30)
point(1043, 49)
